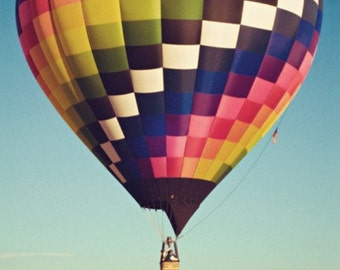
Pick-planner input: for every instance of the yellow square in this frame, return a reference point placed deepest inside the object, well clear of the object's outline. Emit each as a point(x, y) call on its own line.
point(202, 168)
point(38, 57)
point(248, 135)
point(82, 65)
point(75, 118)
point(236, 155)
point(43, 26)
point(51, 50)
point(254, 140)
point(56, 105)
point(101, 11)
point(137, 10)
point(75, 41)
point(68, 17)
point(225, 150)
point(60, 71)
point(55, 88)
point(213, 169)
point(49, 79)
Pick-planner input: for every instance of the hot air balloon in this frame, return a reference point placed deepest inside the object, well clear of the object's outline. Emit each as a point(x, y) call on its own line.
point(169, 95)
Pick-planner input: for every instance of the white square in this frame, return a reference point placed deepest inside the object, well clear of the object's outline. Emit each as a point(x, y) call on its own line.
point(120, 177)
point(258, 15)
point(147, 81)
point(124, 105)
point(219, 35)
point(294, 6)
point(180, 56)
point(112, 129)
point(110, 152)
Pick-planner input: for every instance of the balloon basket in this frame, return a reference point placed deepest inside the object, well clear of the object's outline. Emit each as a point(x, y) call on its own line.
point(169, 265)
point(169, 258)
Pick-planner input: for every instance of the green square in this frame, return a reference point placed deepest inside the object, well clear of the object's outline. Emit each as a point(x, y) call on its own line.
point(111, 60)
point(91, 86)
point(74, 116)
point(66, 92)
point(140, 33)
point(182, 9)
point(85, 113)
point(87, 135)
point(239, 157)
point(106, 36)
point(137, 10)
point(221, 173)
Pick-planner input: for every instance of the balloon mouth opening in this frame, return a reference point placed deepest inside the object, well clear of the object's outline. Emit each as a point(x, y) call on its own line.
point(179, 198)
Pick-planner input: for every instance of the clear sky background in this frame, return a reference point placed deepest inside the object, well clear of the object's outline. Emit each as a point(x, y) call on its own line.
point(61, 210)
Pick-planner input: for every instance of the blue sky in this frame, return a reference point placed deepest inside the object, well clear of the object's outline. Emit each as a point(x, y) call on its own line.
point(60, 209)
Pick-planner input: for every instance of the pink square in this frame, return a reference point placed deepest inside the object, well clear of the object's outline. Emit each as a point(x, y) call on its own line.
point(260, 90)
point(175, 146)
point(295, 84)
point(287, 76)
point(174, 167)
point(306, 64)
point(28, 37)
point(159, 166)
point(25, 13)
point(230, 107)
point(200, 125)
point(33, 67)
point(275, 97)
point(39, 7)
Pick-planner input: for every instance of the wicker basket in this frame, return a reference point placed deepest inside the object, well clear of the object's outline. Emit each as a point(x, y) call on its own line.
point(169, 265)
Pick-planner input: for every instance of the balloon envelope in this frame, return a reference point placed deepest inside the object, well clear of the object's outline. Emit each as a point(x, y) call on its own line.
point(169, 94)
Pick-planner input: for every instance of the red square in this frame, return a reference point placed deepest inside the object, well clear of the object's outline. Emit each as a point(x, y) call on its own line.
point(248, 111)
point(220, 128)
point(194, 147)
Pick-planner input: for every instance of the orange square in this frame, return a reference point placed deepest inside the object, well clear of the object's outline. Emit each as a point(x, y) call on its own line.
point(237, 131)
point(211, 148)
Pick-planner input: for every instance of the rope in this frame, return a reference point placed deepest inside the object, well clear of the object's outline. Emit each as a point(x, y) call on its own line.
point(159, 231)
point(230, 193)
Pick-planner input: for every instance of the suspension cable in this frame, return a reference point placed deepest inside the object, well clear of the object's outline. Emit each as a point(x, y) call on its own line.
point(230, 193)
point(157, 228)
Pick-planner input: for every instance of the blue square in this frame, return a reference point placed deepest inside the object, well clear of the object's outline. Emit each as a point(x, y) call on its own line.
point(247, 63)
point(178, 102)
point(153, 125)
point(211, 82)
point(280, 46)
